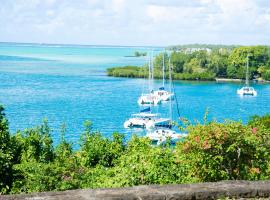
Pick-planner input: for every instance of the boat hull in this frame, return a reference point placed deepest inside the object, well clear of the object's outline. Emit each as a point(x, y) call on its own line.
point(147, 123)
point(247, 91)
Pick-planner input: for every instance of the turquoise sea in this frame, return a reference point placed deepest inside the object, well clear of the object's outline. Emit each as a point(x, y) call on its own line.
point(68, 84)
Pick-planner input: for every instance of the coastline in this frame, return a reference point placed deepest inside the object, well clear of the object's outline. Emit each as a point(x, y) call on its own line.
point(227, 80)
point(139, 72)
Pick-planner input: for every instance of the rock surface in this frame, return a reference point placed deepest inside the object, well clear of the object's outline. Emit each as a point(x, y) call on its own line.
point(230, 189)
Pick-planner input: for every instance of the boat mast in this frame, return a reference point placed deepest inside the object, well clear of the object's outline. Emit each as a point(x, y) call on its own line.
point(163, 66)
point(170, 87)
point(149, 71)
point(247, 74)
point(152, 67)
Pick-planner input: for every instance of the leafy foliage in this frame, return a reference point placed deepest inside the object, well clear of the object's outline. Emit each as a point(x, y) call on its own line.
point(127, 71)
point(207, 63)
point(138, 54)
point(6, 154)
point(226, 151)
point(211, 152)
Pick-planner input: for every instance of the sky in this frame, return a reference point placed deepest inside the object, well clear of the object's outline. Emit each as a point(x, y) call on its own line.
point(135, 22)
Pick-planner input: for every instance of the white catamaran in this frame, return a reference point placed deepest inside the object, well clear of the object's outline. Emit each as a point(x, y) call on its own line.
point(161, 134)
point(150, 98)
point(247, 90)
point(161, 93)
point(148, 120)
point(155, 96)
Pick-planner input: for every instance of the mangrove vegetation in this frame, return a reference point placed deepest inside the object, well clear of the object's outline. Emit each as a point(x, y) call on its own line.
point(206, 64)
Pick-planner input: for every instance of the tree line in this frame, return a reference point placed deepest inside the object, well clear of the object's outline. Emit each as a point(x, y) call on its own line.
point(207, 65)
point(212, 151)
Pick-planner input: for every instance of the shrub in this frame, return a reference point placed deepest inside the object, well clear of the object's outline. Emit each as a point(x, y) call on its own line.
point(95, 149)
point(226, 151)
point(6, 154)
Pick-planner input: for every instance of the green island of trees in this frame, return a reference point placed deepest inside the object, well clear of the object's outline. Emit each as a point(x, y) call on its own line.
point(206, 63)
point(138, 54)
point(212, 151)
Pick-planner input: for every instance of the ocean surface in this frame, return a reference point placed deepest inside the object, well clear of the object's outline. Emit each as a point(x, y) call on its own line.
point(67, 84)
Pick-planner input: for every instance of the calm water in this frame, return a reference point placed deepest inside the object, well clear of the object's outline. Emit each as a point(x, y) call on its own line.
point(68, 84)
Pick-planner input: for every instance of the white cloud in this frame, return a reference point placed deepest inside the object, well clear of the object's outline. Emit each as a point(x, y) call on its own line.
point(141, 22)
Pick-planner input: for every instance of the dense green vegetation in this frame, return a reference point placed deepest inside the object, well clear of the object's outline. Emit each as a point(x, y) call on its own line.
point(208, 46)
point(29, 162)
point(127, 71)
point(207, 64)
point(138, 54)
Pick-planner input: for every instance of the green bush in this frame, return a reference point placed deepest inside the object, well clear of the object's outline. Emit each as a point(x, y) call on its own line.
point(266, 75)
point(226, 151)
point(211, 152)
point(96, 149)
point(127, 71)
point(6, 154)
point(204, 76)
point(143, 164)
point(260, 121)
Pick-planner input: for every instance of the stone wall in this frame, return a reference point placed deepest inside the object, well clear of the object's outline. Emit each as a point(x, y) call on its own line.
point(231, 189)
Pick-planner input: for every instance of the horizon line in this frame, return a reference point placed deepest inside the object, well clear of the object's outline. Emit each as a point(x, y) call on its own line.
point(112, 45)
point(74, 44)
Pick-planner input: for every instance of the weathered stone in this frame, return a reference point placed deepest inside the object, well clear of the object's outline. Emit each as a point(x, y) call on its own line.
point(230, 189)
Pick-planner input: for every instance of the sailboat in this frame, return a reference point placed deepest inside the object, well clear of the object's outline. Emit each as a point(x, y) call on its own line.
point(163, 94)
point(160, 134)
point(247, 90)
point(150, 98)
point(146, 119)
point(155, 96)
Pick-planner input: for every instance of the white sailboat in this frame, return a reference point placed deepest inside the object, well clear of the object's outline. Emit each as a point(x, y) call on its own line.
point(161, 93)
point(161, 134)
point(155, 96)
point(150, 98)
point(146, 119)
point(247, 90)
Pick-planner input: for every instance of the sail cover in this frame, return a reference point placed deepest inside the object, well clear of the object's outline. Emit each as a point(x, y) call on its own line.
point(146, 109)
point(161, 88)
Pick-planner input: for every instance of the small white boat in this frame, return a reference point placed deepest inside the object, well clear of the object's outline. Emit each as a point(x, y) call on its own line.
point(149, 99)
point(160, 136)
point(163, 95)
point(247, 91)
point(147, 120)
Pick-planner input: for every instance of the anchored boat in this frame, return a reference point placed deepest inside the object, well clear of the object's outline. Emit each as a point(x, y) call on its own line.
point(161, 93)
point(151, 97)
point(161, 135)
point(148, 120)
point(247, 90)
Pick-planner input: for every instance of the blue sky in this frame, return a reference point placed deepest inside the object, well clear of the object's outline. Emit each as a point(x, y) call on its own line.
point(135, 22)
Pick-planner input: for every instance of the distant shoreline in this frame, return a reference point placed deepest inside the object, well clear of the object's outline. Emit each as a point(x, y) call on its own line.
point(227, 80)
point(78, 45)
point(138, 72)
